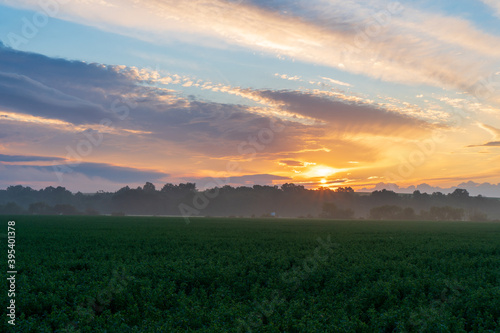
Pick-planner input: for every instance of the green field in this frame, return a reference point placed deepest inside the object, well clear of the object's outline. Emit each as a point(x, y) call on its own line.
point(146, 274)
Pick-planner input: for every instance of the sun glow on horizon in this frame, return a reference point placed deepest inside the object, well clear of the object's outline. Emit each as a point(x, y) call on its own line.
point(263, 95)
point(322, 171)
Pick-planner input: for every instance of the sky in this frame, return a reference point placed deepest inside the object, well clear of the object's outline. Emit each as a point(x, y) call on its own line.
point(99, 94)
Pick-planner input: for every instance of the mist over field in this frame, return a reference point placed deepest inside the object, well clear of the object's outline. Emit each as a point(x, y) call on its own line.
point(289, 200)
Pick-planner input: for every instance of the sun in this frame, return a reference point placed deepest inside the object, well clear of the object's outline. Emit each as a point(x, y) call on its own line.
point(323, 181)
point(323, 171)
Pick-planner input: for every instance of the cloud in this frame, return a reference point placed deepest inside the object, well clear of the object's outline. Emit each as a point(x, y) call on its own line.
point(288, 77)
point(24, 95)
point(24, 158)
point(61, 90)
point(493, 143)
point(72, 91)
point(494, 4)
point(392, 42)
point(108, 172)
point(496, 134)
point(488, 144)
point(60, 74)
point(53, 100)
point(336, 81)
point(493, 130)
point(246, 180)
point(292, 163)
point(345, 117)
point(165, 127)
point(188, 134)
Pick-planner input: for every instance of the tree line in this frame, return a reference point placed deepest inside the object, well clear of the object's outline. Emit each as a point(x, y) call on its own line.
point(287, 200)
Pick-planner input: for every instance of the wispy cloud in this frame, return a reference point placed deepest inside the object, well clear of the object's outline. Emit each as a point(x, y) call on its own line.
point(493, 130)
point(27, 158)
point(340, 83)
point(245, 180)
point(413, 46)
point(292, 163)
point(86, 177)
point(288, 77)
point(496, 136)
point(109, 172)
point(494, 4)
point(25, 95)
point(344, 118)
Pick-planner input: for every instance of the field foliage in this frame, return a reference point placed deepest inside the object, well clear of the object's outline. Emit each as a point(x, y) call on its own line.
point(145, 274)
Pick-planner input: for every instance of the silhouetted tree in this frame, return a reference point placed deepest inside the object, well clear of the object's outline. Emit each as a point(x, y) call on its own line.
point(288, 200)
point(40, 208)
point(477, 216)
point(65, 209)
point(387, 212)
point(12, 208)
point(384, 196)
point(292, 188)
point(344, 190)
point(408, 214)
point(459, 194)
point(149, 187)
point(330, 211)
point(446, 213)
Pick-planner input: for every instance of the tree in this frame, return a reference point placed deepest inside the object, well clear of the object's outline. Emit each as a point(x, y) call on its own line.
point(446, 213)
point(65, 209)
point(420, 197)
point(408, 214)
point(123, 190)
point(386, 212)
point(11, 208)
point(40, 208)
point(149, 187)
point(384, 196)
point(459, 194)
point(169, 187)
point(344, 190)
point(437, 195)
point(330, 211)
point(187, 187)
point(292, 188)
point(477, 216)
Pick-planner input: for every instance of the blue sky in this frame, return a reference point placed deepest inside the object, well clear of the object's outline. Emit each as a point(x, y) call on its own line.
point(367, 92)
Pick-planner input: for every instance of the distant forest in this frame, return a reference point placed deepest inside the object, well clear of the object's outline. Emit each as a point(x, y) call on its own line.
point(289, 200)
